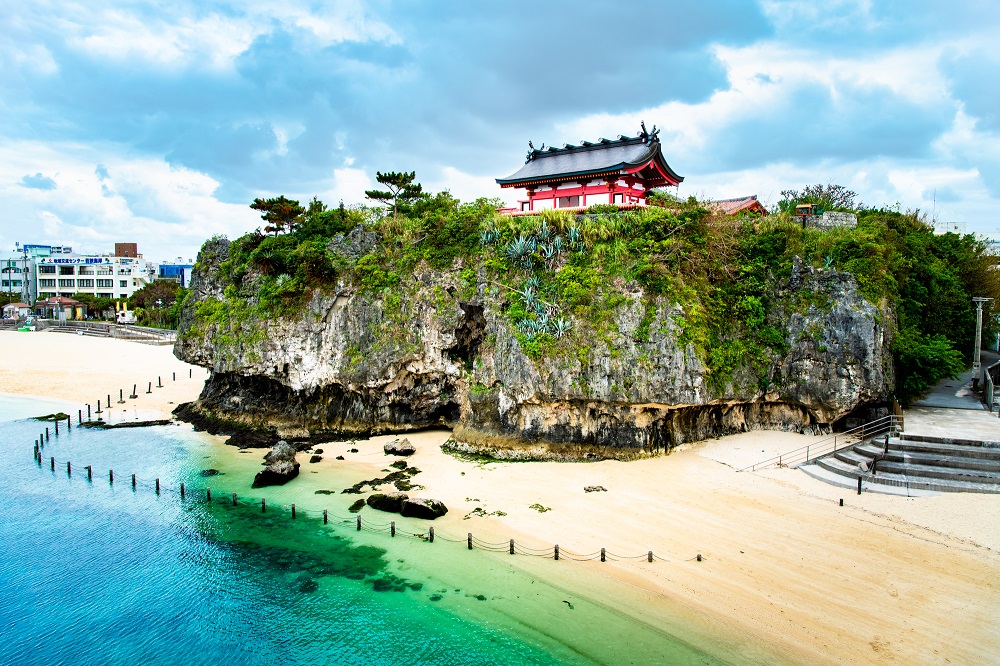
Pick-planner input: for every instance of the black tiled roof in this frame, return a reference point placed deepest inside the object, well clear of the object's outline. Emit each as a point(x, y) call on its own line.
point(589, 159)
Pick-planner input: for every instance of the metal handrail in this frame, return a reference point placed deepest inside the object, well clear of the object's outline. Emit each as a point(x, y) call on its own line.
point(891, 424)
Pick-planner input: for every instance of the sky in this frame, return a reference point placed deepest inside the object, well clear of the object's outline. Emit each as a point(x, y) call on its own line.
point(160, 122)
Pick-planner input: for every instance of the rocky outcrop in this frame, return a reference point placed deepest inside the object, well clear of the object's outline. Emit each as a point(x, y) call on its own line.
point(280, 466)
point(390, 502)
point(428, 509)
point(440, 351)
point(399, 447)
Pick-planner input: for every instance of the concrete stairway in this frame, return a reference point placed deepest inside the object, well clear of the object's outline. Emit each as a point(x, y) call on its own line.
point(915, 462)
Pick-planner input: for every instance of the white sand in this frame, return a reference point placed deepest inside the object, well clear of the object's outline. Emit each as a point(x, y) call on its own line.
point(884, 579)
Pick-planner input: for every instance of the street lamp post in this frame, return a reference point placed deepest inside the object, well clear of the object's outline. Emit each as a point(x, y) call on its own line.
point(978, 300)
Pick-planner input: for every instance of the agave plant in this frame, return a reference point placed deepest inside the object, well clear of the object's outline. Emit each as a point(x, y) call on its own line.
point(529, 297)
point(575, 238)
point(544, 232)
point(521, 247)
point(560, 327)
point(489, 236)
point(543, 321)
point(548, 253)
point(540, 308)
point(557, 244)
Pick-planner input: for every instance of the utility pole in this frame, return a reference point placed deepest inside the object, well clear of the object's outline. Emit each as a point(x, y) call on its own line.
point(978, 300)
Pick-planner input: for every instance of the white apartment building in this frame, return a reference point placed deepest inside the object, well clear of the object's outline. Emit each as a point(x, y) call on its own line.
point(102, 276)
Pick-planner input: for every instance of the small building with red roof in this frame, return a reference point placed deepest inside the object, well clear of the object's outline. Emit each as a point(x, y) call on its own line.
point(739, 205)
point(61, 308)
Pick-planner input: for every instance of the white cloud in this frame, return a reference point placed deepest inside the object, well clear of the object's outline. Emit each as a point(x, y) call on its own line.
point(467, 187)
point(168, 211)
point(349, 185)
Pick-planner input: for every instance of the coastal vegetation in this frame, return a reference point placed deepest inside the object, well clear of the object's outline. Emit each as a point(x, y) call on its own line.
point(560, 277)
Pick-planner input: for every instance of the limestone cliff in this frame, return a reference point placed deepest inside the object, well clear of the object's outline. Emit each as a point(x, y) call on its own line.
point(440, 350)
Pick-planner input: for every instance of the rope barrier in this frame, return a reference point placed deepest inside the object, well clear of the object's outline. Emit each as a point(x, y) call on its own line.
point(232, 499)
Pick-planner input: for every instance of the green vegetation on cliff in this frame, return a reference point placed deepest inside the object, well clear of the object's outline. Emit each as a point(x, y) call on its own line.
point(563, 280)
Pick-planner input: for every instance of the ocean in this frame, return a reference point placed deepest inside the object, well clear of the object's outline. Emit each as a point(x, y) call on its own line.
point(94, 572)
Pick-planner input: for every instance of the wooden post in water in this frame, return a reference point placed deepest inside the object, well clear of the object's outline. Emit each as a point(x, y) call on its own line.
point(56, 424)
point(392, 528)
point(511, 546)
point(182, 490)
point(293, 510)
point(109, 401)
point(557, 551)
point(603, 555)
point(157, 486)
point(121, 397)
point(69, 469)
point(90, 472)
point(326, 517)
point(208, 494)
point(359, 522)
point(46, 433)
point(79, 417)
point(111, 476)
point(53, 462)
point(469, 539)
point(134, 393)
point(150, 389)
point(88, 411)
point(263, 505)
point(133, 482)
point(432, 535)
point(649, 556)
point(69, 422)
point(159, 382)
point(234, 499)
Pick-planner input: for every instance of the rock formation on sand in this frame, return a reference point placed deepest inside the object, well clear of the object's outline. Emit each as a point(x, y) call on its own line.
point(280, 466)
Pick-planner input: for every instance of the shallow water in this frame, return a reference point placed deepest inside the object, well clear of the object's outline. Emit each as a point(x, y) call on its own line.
point(93, 572)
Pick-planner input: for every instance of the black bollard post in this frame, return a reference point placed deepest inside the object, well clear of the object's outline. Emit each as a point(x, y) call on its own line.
point(698, 557)
point(182, 491)
point(359, 522)
point(841, 501)
point(90, 472)
point(109, 401)
point(649, 556)
point(134, 393)
point(189, 373)
point(293, 510)
point(511, 546)
point(392, 528)
point(557, 551)
point(859, 485)
point(432, 535)
point(326, 518)
point(208, 494)
point(111, 476)
point(263, 505)
point(175, 376)
point(56, 424)
point(234, 499)
point(79, 417)
point(157, 486)
point(469, 540)
point(133, 482)
point(88, 411)
point(150, 389)
point(603, 555)
point(98, 408)
point(121, 397)
point(53, 461)
point(46, 433)
point(69, 423)
point(69, 469)
point(159, 382)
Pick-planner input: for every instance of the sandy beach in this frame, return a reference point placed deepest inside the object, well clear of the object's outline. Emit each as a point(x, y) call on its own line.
point(785, 569)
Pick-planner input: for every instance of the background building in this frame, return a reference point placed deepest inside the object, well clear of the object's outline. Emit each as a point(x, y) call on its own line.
point(176, 271)
point(102, 276)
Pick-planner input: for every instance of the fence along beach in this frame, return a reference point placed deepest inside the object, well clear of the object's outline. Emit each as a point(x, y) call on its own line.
point(785, 568)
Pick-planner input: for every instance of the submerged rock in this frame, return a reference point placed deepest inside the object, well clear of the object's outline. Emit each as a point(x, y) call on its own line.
point(595, 489)
point(209, 472)
point(390, 502)
point(399, 447)
point(418, 507)
point(281, 466)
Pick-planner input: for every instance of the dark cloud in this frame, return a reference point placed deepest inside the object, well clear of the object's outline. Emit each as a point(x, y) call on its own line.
point(37, 182)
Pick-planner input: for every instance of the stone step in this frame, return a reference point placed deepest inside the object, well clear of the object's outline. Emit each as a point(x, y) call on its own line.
point(981, 450)
point(951, 460)
point(849, 473)
point(932, 439)
point(852, 458)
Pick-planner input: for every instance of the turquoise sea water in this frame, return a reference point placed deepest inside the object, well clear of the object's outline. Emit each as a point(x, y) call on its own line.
point(95, 573)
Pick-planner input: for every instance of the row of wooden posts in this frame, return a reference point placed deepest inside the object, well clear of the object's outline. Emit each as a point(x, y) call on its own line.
point(263, 501)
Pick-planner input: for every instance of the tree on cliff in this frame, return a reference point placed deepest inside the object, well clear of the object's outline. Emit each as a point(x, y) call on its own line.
point(281, 214)
point(827, 197)
point(401, 189)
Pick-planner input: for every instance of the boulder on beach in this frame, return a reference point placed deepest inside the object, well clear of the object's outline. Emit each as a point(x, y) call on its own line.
point(418, 507)
point(399, 447)
point(315, 459)
point(280, 466)
point(391, 502)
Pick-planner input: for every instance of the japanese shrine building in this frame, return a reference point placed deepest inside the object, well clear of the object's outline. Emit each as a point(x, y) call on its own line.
point(619, 172)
